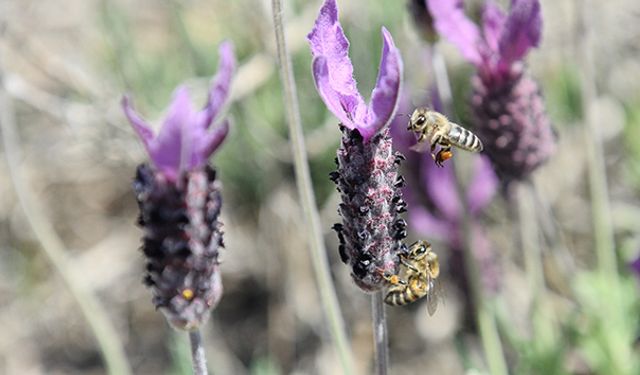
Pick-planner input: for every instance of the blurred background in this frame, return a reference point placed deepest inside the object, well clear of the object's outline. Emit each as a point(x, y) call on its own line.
point(65, 65)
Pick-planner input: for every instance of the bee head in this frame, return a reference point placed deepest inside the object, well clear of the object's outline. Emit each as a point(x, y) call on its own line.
point(417, 119)
point(419, 249)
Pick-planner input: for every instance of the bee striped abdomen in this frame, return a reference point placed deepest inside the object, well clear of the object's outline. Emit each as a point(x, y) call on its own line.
point(407, 294)
point(464, 139)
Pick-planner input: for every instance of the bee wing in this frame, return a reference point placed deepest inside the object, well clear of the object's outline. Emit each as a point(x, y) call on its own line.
point(420, 147)
point(433, 296)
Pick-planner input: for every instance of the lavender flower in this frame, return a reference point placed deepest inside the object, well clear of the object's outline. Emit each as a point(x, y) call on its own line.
point(635, 266)
point(367, 176)
point(507, 104)
point(180, 201)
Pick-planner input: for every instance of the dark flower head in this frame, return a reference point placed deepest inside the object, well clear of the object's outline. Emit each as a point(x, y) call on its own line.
point(333, 75)
point(185, 140)
point(509, 110)
point(180, 201)
point(181, 243)
point(367, 176)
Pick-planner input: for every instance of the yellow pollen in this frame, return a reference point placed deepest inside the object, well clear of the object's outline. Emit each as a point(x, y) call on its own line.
point(187, 294)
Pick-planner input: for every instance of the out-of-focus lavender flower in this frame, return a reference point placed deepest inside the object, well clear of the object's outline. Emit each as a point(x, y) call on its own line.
point(367, 176)
point(510, 114)
point(180, 201)
point(435, 210)
point(635, 266)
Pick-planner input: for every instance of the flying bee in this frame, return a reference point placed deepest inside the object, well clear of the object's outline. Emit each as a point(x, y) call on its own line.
point(422, 269)
point(433, 128)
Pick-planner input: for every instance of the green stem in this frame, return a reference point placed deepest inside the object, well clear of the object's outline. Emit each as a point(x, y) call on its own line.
point(601, 212)
point(52, 246)
point(305, 189)
point(486, 319)
point(612, 311)
point(380, 336)
point(199, 360)
point(543, 326)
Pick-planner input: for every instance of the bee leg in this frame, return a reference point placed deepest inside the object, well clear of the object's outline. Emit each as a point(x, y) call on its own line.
point(443, 155)
point(434, 141)
point(394, 280)
point(409, 266)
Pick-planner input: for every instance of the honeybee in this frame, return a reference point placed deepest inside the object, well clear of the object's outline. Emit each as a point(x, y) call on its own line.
point(433, 128)
point(422, 269)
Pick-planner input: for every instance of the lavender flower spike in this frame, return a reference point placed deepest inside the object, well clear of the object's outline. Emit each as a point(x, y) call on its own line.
point(367, 176)
point(510, 115)
point(180, 201)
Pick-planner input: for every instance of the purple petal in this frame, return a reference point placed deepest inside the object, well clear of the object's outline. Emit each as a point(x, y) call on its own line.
point(332, 69)
point(385, 95)
point(493, 19)
point(210, 142)
point(635, 266)
point(522, 30)
point(139, 125)
point(171, 147)
point(453, 24)
point(428, 225)
point(483, 185)
point(441, 186)
point(221, 84)
point(332, 98)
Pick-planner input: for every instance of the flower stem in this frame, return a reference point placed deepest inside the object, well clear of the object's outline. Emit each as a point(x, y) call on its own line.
point(601, 212)
point(485, 318)
point(380, 337)
point(541, 317)
point(197, 353)
point(305, 189)
point(53, 248)
point(612, 311)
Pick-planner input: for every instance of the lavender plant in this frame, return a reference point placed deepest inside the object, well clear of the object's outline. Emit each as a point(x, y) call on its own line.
point(180, 201)
point(507, 104)
point(367, 175)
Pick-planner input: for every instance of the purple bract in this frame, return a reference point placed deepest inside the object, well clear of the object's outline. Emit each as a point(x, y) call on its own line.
point(185, 140)
point(503, 39)
point(333, 74)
